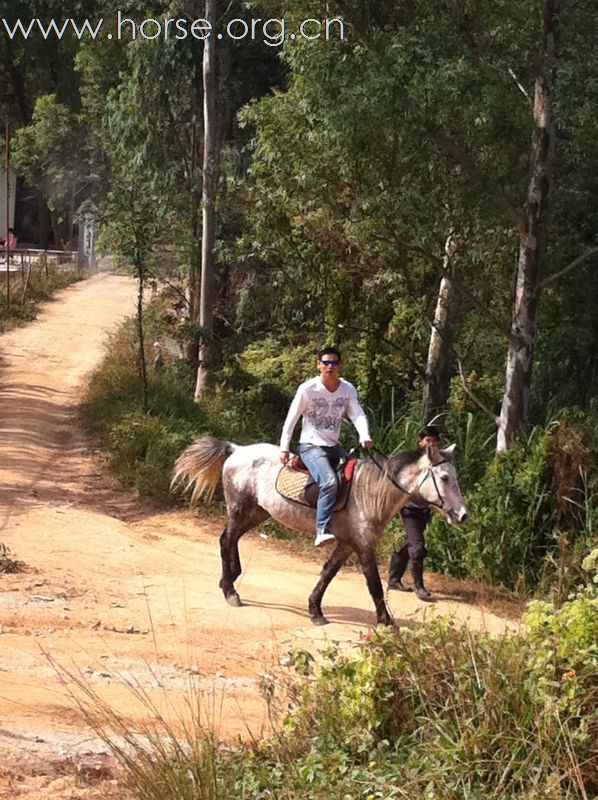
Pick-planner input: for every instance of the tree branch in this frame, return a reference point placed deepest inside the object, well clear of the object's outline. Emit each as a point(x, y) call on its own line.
point(475, 399)
point(459, 154)
point(478, 304)
point(415, 364)
point(576, 263)
point(466, 388)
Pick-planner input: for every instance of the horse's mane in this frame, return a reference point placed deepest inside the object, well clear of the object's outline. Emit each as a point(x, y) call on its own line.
point(373, 481)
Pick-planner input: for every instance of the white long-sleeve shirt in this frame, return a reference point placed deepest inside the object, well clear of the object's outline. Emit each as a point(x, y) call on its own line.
point(322, 413)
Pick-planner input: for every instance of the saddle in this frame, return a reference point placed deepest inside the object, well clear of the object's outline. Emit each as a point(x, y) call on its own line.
point(294, 482)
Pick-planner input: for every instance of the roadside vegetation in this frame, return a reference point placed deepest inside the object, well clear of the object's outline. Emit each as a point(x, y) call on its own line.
point(27, 292)
point(428, 714)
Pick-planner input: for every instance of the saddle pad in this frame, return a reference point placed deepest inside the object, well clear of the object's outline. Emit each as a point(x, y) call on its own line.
point(291, 483)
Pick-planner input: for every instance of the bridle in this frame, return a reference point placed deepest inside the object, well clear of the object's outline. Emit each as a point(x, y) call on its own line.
point(429, 474)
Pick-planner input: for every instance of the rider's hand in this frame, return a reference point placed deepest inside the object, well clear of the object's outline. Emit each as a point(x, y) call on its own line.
point(284, 457)
point(367, 445)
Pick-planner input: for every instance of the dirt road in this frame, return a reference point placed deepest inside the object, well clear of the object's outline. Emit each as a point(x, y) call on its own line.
point(121, 597)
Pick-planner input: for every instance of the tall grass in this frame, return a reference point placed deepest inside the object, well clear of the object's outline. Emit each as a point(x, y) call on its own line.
point(433, 714)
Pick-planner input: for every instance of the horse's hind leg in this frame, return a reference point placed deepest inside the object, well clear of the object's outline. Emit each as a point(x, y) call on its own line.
point(237, 525)
point(331, 567)
point(367, 559)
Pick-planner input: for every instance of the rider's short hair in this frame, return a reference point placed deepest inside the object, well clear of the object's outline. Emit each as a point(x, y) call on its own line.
point(329, 351)
point(428, 430)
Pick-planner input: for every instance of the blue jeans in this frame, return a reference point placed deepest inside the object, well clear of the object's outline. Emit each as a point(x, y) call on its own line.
point(322, 463)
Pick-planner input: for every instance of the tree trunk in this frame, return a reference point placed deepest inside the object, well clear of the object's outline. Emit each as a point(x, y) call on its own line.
point(140, 331)
point(532, 242)
point(208, 234)
point(438, 373)
point(195, 266)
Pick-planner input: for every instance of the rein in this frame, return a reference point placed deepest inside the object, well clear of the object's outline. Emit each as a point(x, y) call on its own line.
point(429, 473)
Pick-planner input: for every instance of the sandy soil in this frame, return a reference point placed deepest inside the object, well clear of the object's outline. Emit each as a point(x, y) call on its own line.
point(122, 601)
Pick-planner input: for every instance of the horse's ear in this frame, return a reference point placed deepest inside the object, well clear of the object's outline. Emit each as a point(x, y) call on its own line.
point(450, 448)
point(432, 453)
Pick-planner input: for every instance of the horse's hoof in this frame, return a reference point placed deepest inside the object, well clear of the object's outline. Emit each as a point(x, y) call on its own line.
point(321, 620)
point(234, 600)
point(387, 623)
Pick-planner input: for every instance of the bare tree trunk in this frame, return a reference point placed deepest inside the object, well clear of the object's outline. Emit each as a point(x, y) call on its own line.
point(438, 375)
point(140, 330)
point(210, 153)
point(532, 242)
point(195, 267)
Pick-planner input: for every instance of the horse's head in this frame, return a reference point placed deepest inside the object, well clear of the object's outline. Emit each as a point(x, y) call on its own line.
point(438, 484)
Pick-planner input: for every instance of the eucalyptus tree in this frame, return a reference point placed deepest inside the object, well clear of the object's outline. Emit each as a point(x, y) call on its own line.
point(211, 147)
point(429, 113)
point(34, 66)
point(351, 203)
point(517, 42)
point(180, 98)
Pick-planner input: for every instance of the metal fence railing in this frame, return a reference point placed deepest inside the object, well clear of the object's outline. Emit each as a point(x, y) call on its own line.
point(25, 263)
point(25, 258)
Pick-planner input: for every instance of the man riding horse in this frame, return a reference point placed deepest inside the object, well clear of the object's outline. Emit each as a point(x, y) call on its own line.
point(321, 402)
point(380, 488)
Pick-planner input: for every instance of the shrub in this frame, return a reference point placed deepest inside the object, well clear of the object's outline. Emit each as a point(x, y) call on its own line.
point(566, 640)
point(442, 713)
point(142, 446)
point(529, 511)
point(433, 713)
point(143, 450)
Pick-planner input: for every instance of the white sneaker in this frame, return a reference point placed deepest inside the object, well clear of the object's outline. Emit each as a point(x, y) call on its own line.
point(323, 536)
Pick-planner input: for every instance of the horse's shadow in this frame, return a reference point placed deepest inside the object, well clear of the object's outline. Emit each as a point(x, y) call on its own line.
point(340, 614)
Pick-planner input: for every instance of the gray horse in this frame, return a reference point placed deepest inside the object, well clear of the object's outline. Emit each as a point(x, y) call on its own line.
point(379, 492)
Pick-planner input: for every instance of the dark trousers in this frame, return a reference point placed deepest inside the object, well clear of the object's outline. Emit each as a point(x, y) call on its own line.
point(415, 521)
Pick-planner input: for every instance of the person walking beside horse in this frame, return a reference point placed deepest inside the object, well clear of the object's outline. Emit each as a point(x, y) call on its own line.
point(321, 402)
point(415, 517)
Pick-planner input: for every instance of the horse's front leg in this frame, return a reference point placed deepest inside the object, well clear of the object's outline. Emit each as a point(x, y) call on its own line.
point(329, 570)
point(367, 559)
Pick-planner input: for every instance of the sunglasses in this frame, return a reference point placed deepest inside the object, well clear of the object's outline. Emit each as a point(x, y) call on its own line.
point(330, 363)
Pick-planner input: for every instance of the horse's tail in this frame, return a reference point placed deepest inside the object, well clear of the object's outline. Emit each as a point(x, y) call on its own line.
point(199, 466)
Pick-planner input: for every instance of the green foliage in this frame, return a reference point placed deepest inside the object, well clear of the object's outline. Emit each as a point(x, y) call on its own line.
point(142, 445)
point(255, 389)
point(440, 713)
point(46, 152)
point(566, 637)
point(532, 511)
point(436, 713)
point(143, 449)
